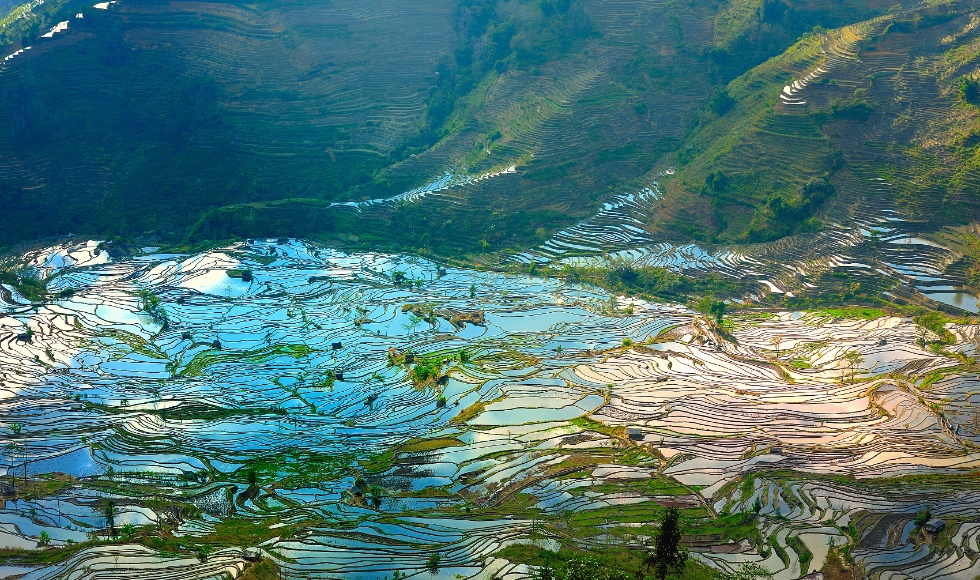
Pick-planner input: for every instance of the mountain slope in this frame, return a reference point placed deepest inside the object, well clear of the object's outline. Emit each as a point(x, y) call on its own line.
point(194, 121)
point(871, 111)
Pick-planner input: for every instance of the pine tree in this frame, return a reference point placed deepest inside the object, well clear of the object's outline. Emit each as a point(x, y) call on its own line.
point(667, 556)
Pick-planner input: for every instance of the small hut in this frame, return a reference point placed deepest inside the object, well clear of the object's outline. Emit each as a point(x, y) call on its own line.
point(634, 433)
point(934, 526)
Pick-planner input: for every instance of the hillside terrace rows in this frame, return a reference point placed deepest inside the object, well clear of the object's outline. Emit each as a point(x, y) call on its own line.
point(517, 442)
point(247, 57)
point(556, 126)
point(815, 415)
point(535, 115)
point(863, 196)
point(807, 507)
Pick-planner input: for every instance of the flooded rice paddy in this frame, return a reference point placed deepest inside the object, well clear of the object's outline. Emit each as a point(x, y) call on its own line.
point(391, 409)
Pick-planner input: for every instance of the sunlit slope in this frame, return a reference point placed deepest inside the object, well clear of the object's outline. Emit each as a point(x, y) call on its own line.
point(868, 117)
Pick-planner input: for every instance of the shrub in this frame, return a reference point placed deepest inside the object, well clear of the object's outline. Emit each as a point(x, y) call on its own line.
point(424, 370)
point(721, 102)
point(936, 322)
point(433, 563)
point(922, 517)
point(855, 109)
point(128, 531)
point(969, 91)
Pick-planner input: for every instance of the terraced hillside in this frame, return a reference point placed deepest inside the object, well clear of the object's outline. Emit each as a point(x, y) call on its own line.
point(348, 415)
point(191, 121)
point(845, 168)
point(870, 117)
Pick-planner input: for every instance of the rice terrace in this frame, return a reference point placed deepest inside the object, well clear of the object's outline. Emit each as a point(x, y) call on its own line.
point(490, 289)
point(348, 415)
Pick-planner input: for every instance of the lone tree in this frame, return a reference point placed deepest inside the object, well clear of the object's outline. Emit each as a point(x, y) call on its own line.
point(377, 496)
point(776, 341)
point(109, 512)
point(853, 358)
point(11, 450)
point(667, 556)
point(718, 310)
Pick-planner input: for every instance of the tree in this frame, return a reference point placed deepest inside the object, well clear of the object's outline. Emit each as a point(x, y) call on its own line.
point(776, 341)
point(16, 428)
point(377, 495)
point(667, 556)
point(853, 358)
point(433, 563)
point(969, 90)
point(708, 306)
point(720, 102)
point(717, 182)
point(718, 310)
point(922, 517)
point(128, 531)
point(11, 450)
point(109, 512)
point(45, 539)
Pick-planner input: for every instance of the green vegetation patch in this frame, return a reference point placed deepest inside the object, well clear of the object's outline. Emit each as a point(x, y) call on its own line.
point(383, 461)
point(852, 312)
point(610, 562)
point(649, 281)
point(801, 550)
point(296, 468)
point(135, 342)
point(205, 359)
point(26, 282)
point(936, 323)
